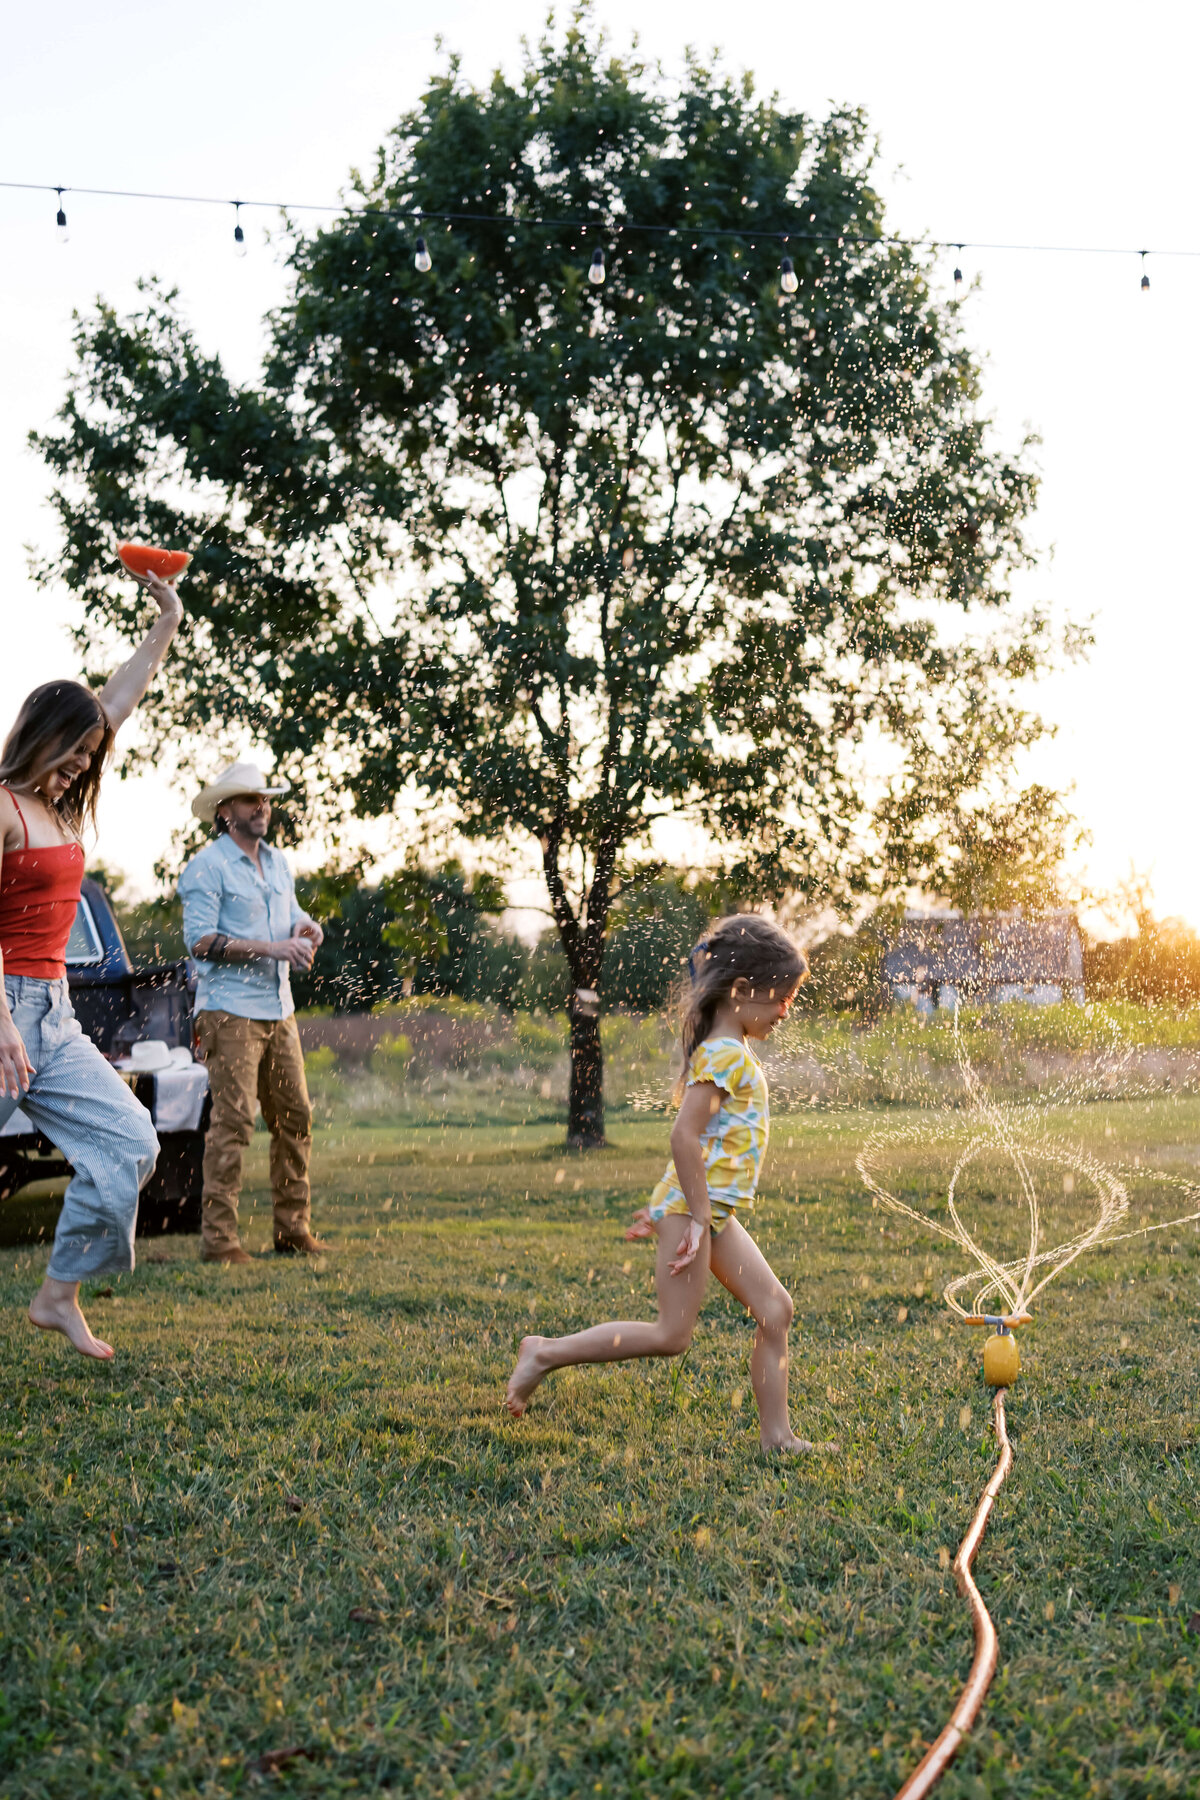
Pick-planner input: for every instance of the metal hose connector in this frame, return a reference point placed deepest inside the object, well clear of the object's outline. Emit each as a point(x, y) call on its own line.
point(944, 1748)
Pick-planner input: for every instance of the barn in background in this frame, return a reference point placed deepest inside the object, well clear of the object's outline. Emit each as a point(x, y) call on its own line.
point(942, 959)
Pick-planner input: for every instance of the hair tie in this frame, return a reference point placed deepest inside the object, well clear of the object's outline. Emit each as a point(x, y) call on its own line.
point(702, 945)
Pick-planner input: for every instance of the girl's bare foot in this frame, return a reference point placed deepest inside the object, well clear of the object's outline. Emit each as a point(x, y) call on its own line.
point(525, 1377)
point(55, 1307)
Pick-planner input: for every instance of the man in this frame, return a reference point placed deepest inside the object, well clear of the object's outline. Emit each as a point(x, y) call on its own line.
point(243, 925)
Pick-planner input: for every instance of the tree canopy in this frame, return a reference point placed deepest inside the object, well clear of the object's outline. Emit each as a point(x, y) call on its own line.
point(565, 560)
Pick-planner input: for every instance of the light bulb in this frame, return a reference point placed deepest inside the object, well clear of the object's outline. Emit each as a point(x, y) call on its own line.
point(239, 236)
point(60, 220)
point(788, 280)
point(958, 278)
point(423, 259)
point(1145, 277)
point(596, 269)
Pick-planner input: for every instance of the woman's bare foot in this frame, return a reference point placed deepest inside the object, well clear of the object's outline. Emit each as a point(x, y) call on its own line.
point(55, 1307)
point(526, 1376)
point(797, 1446)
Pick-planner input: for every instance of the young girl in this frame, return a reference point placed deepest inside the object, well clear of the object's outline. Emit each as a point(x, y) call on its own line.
point(744, 975)
point(50, 769)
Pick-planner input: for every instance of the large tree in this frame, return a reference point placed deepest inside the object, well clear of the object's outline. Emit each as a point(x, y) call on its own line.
point(569, 559)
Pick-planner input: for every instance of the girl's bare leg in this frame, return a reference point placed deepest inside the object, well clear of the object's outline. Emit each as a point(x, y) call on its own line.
point(739, 1265)
point(679, 1299)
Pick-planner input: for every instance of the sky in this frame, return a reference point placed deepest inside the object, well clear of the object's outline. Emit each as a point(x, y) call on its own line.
point(1034, 124)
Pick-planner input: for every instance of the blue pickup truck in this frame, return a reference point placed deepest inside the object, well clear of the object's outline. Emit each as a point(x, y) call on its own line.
point(121, 1008)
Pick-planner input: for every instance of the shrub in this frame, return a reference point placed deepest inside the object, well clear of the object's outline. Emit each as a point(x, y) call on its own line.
point(541, 1040)
point(636, 1039)
point(320, 1062)
point(393, 1053)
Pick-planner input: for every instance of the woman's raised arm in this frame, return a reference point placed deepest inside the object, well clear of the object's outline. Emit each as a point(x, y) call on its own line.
point(122, 693)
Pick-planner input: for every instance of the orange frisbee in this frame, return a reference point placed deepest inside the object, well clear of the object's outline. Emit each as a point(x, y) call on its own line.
point(144, 559)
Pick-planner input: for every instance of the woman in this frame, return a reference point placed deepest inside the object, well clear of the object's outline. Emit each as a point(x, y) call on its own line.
point(50, 770)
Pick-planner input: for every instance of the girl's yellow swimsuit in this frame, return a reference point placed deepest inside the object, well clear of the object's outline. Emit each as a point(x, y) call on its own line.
point(734, 1140)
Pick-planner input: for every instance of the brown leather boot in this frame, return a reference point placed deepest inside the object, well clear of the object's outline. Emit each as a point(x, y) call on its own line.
point(234, 1255)
point(304, 1245)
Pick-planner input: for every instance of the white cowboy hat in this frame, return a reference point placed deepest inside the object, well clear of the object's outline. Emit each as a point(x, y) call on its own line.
point(148, 1055)
point(238, 778)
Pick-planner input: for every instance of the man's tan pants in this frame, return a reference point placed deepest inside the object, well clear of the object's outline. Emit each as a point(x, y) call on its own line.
point(249, 1059)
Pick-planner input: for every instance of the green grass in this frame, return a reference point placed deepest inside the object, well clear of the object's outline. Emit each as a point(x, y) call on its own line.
point(293, 1514)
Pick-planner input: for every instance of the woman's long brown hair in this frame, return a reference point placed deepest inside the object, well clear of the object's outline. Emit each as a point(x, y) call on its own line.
point(744, 946)
point(51, 721)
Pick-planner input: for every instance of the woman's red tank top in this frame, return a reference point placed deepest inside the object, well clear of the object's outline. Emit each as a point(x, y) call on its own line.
point(39, 895)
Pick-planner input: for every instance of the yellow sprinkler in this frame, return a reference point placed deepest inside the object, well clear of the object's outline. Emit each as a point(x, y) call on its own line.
point(1001, 1358)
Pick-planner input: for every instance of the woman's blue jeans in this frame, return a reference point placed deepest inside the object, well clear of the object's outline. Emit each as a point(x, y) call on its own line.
point(81, 1104)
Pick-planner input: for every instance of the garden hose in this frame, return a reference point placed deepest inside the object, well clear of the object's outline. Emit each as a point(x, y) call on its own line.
point(944, 1748)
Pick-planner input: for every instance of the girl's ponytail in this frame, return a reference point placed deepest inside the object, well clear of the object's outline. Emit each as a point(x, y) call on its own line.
point(698, 1004)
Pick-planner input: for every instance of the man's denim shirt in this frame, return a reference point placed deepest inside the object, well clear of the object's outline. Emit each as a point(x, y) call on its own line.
point(221, 890)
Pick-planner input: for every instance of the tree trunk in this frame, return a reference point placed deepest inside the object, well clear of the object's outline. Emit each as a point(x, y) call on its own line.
point(585, 1110)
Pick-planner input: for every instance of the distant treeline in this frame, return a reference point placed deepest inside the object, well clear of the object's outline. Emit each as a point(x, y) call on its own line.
point(439, 932)
point(1158, 965)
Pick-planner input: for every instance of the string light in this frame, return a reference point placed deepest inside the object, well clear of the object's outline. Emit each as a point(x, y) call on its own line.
point(787, 276)
point(596, 268)
point(239, 236)
point(424, 263)
point(60, 220)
